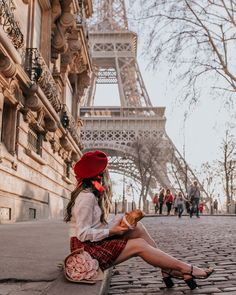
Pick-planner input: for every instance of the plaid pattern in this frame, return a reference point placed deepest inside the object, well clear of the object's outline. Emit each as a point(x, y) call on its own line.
point(105, 251)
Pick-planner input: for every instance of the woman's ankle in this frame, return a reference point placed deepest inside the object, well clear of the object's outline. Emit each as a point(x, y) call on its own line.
point(186, 269)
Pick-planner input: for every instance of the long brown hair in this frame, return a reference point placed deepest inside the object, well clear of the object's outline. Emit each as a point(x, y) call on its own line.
point(104, 199)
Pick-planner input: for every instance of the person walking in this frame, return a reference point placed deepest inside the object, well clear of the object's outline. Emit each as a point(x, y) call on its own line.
point(168, 201)
point(161, 200)
point(194, 194)
point(187, 204)
point(90, 227)
point(175, 204)
point(215, 206)
point(180, 204)
point(201, 207)
point(156, 203)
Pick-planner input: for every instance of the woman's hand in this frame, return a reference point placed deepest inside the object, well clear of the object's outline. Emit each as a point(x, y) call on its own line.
point(116, 229)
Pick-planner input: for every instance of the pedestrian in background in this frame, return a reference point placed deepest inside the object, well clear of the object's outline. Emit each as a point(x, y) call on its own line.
point(168, 201)
point(201, 207)
point(175, 204)
point(187, 204)
point(161, 200)
point(194, 194)
point(180, 204)
point(215, 206)
point(155, 202)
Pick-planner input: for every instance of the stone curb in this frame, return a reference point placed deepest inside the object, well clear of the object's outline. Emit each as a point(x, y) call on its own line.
point(63, 287)
point(106, 282)
point(183, 215)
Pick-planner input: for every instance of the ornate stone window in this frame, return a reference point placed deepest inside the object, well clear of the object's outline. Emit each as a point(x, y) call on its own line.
point(32, 213)
point(67, 168)
point(35, 141)
point(8, 134)
point(67, 177)
point(5, 213)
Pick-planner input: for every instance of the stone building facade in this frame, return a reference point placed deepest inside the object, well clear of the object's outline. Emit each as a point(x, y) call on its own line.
point(45, 71)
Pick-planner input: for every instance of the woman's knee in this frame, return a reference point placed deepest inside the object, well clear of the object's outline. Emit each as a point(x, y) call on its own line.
point(140, 245)
point(140, 229)
point(135, 247)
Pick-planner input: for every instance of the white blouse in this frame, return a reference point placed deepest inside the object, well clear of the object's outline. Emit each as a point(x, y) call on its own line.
point(85, 222)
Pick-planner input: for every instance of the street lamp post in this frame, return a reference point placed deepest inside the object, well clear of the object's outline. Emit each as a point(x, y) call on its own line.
point(115, 207)
point(133, 203)
point(184, 150)
point(123, 198)
point(211, 206)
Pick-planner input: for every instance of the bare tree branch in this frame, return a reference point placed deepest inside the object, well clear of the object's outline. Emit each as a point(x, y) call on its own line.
point(195, 34)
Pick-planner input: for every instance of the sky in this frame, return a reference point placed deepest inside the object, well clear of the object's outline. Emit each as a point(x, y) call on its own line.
point(200, 136)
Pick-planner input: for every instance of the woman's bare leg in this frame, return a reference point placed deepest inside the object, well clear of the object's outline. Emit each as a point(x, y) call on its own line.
point(140, 231)
point(155, 257)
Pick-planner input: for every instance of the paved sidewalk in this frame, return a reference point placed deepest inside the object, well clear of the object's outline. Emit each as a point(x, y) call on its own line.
point(209, 239)
point(29, 255)
point(31, 251)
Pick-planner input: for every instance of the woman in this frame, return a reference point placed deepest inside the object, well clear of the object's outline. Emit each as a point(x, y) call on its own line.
point(168, 200)
point(161, 199)
point(201, 207)
point(156, 203)
point(180, 204)
point(106, 241)
point(175, 204)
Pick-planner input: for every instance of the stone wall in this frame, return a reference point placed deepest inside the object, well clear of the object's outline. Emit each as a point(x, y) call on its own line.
point(46, 53)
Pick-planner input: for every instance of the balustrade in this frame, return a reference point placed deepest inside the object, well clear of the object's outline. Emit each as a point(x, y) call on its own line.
point(38, 72)
point(9, 23)
point(71, 124)
point(123, 112)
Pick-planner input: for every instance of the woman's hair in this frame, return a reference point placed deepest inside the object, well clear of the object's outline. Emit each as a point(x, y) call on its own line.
point(104, 199)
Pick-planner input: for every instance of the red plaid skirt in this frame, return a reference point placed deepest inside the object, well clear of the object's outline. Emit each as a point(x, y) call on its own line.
point(105, 251)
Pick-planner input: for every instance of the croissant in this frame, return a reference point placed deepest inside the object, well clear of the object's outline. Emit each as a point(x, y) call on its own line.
point(131, 218)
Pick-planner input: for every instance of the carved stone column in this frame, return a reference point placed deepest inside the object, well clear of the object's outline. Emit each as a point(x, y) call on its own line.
point(75, 156)
point(50, 124)
point(83, 83)
point(32, 101)
point(6, 66)
point(63, 23)
point(1, 110)
point(65, 143)
point(74, 46)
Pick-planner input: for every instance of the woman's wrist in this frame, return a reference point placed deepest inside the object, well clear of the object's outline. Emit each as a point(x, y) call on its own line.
point(111, 232)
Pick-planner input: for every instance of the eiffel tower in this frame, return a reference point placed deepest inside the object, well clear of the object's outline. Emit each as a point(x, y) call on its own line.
point(115, 129)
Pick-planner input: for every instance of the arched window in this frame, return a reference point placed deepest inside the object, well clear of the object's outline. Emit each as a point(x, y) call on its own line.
point(35, 140)
point(8, 132)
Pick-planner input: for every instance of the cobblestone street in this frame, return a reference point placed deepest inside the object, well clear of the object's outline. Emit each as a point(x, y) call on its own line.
point(207, 240)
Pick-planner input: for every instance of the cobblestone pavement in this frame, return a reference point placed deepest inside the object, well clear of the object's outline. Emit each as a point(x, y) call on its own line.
point(207, 240)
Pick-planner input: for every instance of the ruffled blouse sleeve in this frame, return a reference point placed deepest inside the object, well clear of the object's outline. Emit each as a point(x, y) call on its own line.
point(87, 217)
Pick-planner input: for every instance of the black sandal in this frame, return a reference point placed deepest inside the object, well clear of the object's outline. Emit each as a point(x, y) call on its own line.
point(168, 279)
point(168, 282)
point(191, 281)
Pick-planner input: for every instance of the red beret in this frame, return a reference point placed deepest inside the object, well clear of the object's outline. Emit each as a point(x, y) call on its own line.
point(91, 164)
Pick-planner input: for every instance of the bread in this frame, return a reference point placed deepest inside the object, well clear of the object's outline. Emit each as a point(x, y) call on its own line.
point(130, 219)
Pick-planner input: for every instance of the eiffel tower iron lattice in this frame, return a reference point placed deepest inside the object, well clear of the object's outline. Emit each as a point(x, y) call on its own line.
point(115, 130)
